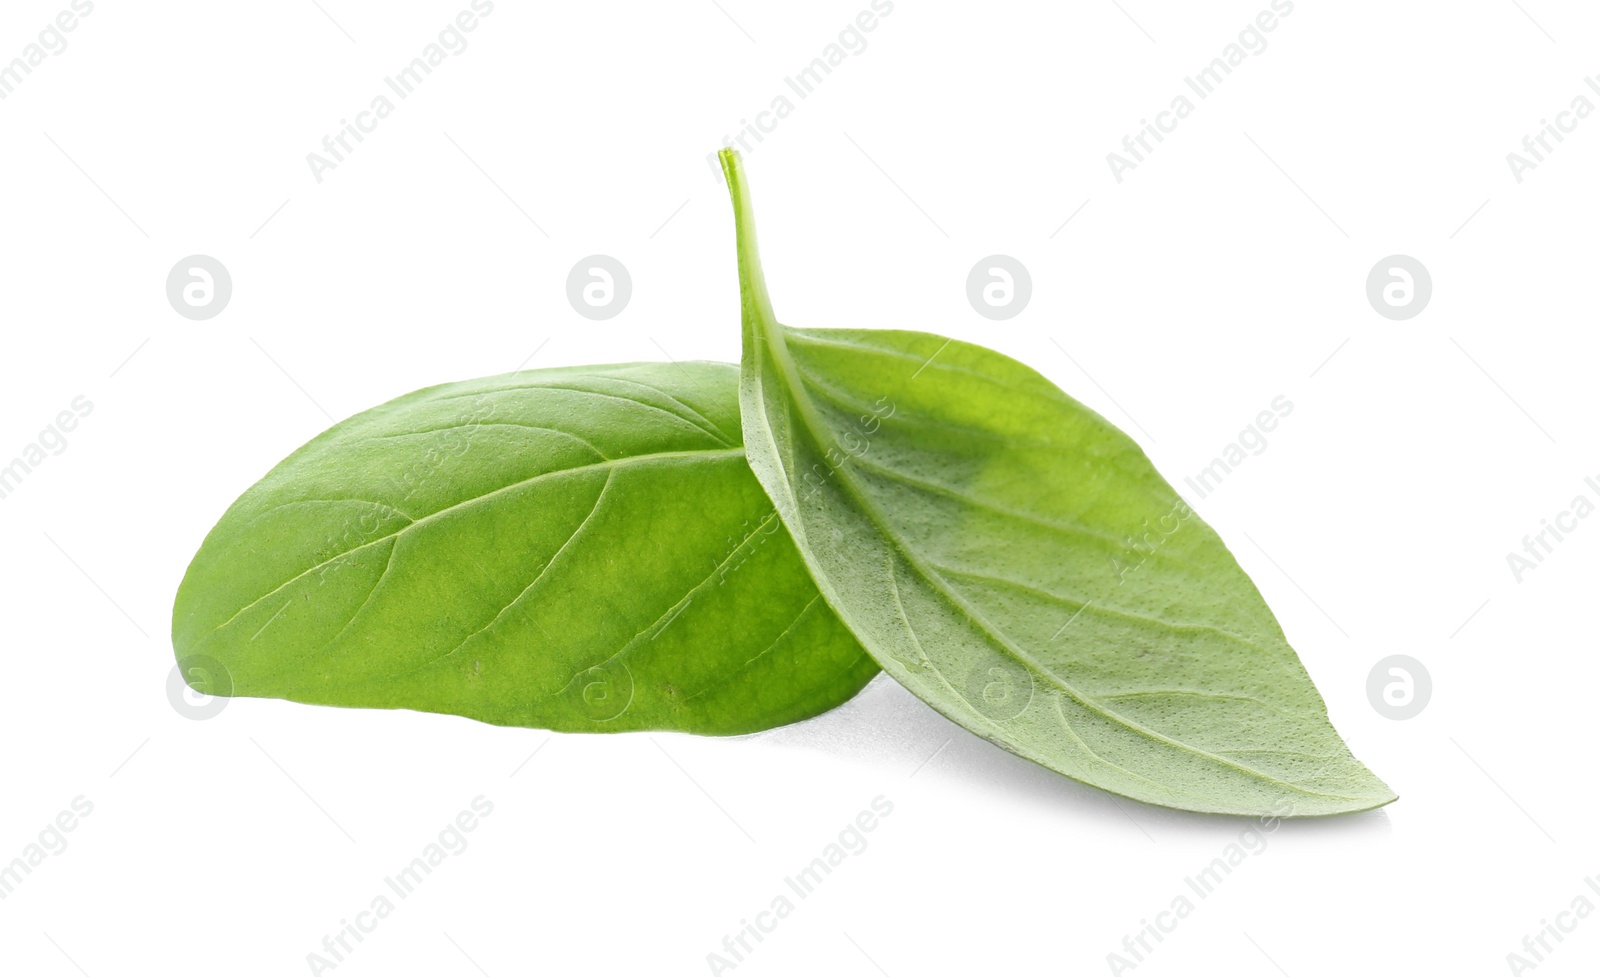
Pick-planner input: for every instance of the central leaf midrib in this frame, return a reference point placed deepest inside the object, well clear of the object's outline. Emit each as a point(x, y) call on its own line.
point(704, 454)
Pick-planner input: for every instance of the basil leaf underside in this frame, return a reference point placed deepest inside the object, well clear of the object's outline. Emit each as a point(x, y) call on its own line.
point(573, 549)
point(1018, 563)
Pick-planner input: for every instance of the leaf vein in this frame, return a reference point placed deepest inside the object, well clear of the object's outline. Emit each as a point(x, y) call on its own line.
point(598, 499)
point(688, 457)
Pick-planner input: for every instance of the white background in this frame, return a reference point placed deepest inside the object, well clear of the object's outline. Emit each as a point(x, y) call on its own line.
point(1222, 272)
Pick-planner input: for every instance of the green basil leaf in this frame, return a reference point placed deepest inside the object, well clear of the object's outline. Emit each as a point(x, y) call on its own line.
point(1018, 563)
point(569, 549)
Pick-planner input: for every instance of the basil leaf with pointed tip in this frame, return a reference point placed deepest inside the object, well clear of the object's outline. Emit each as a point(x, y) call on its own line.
point(574, 549)
point(1018, 563)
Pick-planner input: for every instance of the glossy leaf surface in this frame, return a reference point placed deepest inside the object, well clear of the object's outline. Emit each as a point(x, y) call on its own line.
point(574, 549)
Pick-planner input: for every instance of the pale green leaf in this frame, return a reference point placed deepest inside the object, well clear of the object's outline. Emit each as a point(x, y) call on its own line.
point(1018, 563)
